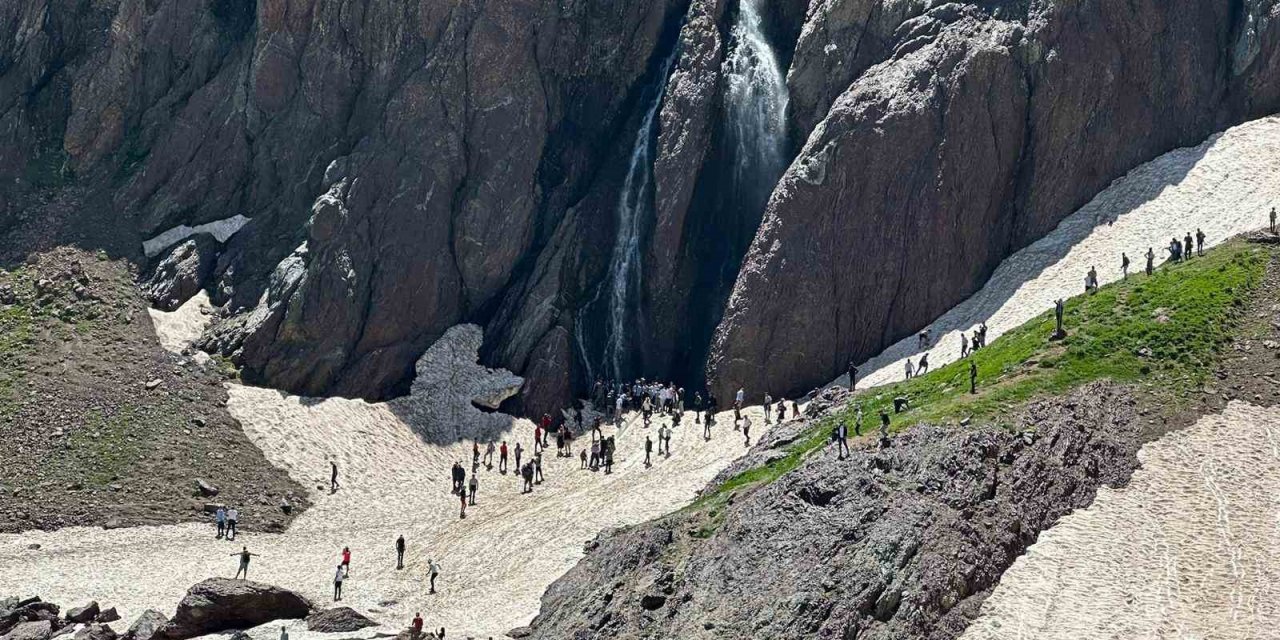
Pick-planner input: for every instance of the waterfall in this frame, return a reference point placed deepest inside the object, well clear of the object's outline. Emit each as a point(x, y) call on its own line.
point(756, 104)
point(634, 208)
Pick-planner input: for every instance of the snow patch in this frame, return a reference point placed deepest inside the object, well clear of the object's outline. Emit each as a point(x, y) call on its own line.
point(221, 230)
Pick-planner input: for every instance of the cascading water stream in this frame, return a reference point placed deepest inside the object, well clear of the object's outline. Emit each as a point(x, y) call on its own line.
point(756, 102)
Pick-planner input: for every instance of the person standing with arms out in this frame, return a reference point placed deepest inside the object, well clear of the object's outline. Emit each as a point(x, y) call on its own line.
point(346, 559)
point(244, 562)
point(1199, 242)
point(400, 553)
point(433, 571)
point(337, 584)
point(472, 485)
point(221, 518)
point(1151, 261)
point(1124, 265)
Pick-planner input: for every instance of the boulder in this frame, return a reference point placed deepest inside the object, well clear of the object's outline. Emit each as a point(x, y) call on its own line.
point(95, 631)
point(146, 626)
point(205, 489)
point(84, 614)
point(221, 604)
point(182, 272)
point(108, 615)
point(37, 630)
point(338, 619)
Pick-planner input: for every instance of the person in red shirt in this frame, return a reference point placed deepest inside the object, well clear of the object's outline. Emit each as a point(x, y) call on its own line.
point(537, 439)
point(502, 457)
point(546, 426)
point(417, 625)
point(346, 560)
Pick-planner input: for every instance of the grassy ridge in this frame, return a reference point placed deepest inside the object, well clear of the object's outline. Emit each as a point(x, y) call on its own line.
point(1166, 330)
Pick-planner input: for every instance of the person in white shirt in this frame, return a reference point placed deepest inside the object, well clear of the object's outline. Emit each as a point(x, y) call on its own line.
point(233, 517)
point(337, 583)
point(768, 406)
point(433, 570)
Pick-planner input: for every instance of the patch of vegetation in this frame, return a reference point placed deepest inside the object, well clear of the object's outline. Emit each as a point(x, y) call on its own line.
point(1166, 331)
point(108, 445)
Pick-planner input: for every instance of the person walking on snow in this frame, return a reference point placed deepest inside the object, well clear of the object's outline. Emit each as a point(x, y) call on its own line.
point(346, 559)
point(221, 518)
point(546, 426)
point(1151, 261)
point(853, 375)
point(526, 473)
point(737, 405)
point(1199, 242)
point(907, 367)
point(337, 584)
point(333, 476)
point(502, 458)
point(488, 455)
point(244, 562)
point(233, 523)
point(462, 505)
point(768, 406)
point(400, 552)
point(1124, 265)
point(472, 485)
point(537, 467)
point(648, 451)
point(746, 430)
point(923, 366)
point(475, 455)
point(433, 571)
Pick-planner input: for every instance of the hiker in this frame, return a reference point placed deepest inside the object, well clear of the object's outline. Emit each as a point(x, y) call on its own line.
point(1199, 242)
point(646, 410)
point(842, 439)
point(746, 430)
point(907, 366)
point(1273, 220)
point(346, 560)
point(537, 438)
point(415, 627)
point(433, 570)
point(502, 458)
point(884, 428)
point(853, 375)
point(488, 455)
point(607, 448)
point(337, 584)
point(1186, 246)
point(617, 409)
point(456, 474)
point(782, 411)
point(1093, 279)
point(577, 416)
point(537, 468)
point(668, 444)
point(546, 426)
point(697, 407)
point(333, 476)
point(582, 459)
point(519, 451)
point(526, 472)
point(1175, 250)
point(595, 455)
point(1058, 310)
point(973, 377)
point(768, 406)
point(648, 449)
point(475, 455)
point(472, 485)
point(923, 366)
point(737, 404)
point(1124, 266)
point(233, 521)
point(795, 408)
point(221, 518)
point(857, 421)
point(900, 404)
point(1151, 260)
point(922, 339)
point(560, 442)
point(964, 346)
point(284, 633)
point(400, 552)
point(244, 562)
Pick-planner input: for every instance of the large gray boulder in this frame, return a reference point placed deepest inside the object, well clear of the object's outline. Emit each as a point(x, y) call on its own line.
point(338, 619)
point(146, 626)
point(83, 614)
point(185, 269)
point(221, 604)
point(35, 630)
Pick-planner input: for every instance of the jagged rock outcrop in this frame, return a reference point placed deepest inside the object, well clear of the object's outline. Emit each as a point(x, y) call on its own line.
point(220, 604)
point(903, 542)
point(338, 619)
point(983, 128)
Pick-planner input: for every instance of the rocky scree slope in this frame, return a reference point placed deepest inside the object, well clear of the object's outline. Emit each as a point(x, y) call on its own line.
point(902, 542)
point(404, 168)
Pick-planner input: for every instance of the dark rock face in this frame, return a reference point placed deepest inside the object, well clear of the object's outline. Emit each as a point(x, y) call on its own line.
point(219, 604)
point(338, 619)
point(981, 130)
point(83, 614)
point(409, 167)
point(36, 630)
point(183, 271)
point(146, 626)
point(904, 542)
point(96, 631)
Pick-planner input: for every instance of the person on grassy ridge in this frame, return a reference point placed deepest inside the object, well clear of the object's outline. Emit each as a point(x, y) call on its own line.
point(1124, 265)
point(884, 428)
point(1199, 242)
point(1151, 261)
point(857, 420)
point(1186, 246)
point(244, 562)
point(973, 377)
